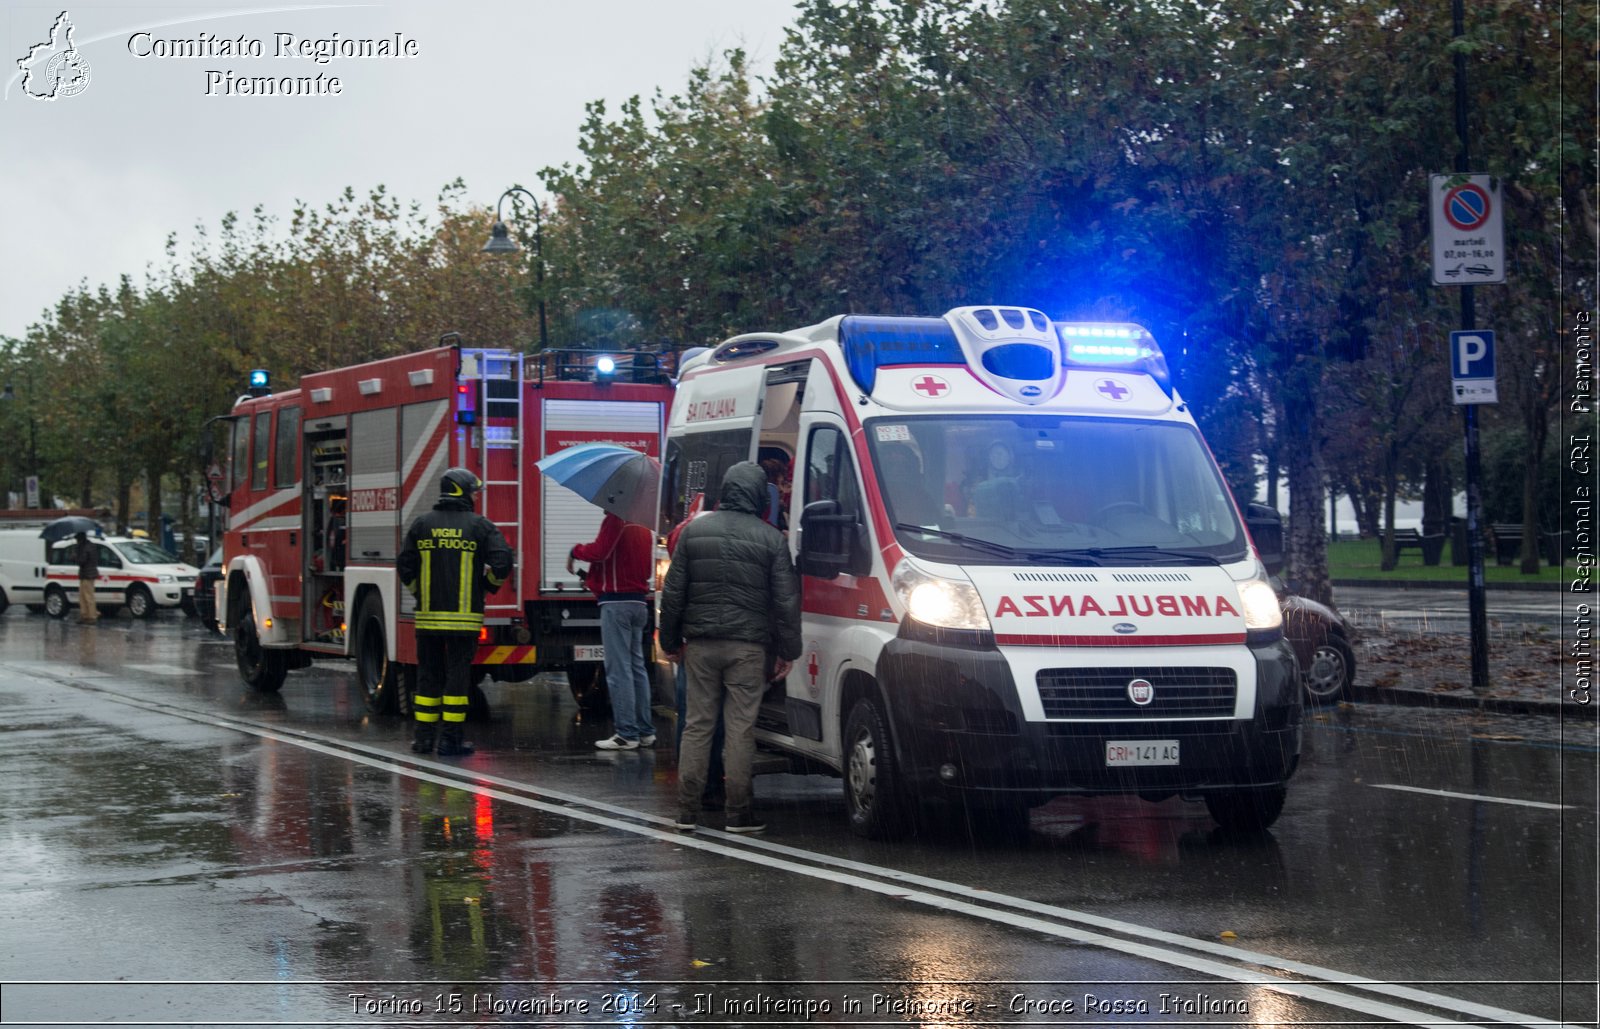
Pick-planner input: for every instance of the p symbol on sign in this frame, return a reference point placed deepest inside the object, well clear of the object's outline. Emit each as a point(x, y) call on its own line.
point(1472, 355)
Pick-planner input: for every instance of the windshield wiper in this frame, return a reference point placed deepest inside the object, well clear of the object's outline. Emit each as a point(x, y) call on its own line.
point(1187, 557)
point(1081, 557)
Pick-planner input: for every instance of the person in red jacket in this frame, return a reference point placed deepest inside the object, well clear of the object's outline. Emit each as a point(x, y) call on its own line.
point(620, 562)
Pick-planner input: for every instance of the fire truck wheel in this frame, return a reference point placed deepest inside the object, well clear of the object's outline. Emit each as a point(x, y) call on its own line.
point(872, 786)
point(140, 603)
point(379, 677)
point(587, 682)
point(1247, 809)
point(55, 602)
point(261, 669)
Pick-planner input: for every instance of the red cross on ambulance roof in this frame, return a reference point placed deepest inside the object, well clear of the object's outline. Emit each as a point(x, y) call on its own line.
point(1111, 388)
point(930, 385)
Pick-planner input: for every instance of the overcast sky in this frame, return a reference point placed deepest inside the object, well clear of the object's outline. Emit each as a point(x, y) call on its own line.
point(94, 180)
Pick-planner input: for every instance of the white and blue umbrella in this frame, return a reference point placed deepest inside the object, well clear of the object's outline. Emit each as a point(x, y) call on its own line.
point(610, 476)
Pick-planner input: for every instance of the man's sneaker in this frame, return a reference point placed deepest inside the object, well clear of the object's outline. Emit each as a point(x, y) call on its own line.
point(617, 743)
point(647, 740)
point(687, 820)
point(746, 824)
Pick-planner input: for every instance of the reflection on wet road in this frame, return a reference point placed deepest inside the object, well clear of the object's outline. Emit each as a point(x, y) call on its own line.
point(160, 823)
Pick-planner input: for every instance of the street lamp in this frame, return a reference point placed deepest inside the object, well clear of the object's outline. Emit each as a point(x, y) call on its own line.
point(500, 242)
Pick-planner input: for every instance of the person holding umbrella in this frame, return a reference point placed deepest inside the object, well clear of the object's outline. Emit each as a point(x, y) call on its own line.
point(88, 557)
point(620, 561)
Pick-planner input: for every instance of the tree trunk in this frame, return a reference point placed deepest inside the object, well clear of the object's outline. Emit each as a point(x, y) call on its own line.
point(1437, 488)
point(1538, 428)
point(1391, 486)
point(1307, 546)
point(152, 508)
point(124, 500)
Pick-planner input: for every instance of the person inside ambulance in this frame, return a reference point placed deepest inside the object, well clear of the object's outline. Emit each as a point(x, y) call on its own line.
point(901, 471)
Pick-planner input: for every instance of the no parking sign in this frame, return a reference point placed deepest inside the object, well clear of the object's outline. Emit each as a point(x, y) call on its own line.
point(1468, 230)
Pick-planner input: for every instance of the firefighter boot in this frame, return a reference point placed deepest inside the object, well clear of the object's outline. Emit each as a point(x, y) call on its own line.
point(422, 742)
point(451, 744)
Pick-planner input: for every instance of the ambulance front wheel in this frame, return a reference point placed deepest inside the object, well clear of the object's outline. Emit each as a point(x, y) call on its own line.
point(1247, 809)
point(140, 603)
point(874, 793)
point(55, 602)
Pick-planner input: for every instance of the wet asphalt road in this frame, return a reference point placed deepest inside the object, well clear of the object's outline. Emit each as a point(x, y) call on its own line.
point(175, 849)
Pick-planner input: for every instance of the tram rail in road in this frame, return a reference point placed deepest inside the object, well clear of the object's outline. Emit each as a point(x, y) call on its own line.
point(1220, 961)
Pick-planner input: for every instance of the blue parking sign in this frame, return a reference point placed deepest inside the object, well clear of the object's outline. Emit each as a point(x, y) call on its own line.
point(1472, 379)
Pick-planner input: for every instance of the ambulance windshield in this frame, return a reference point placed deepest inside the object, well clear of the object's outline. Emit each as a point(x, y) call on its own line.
point(1098, 491)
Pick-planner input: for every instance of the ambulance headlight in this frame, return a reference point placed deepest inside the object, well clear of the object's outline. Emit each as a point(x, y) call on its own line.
point(939, 602)
point(1263, 615)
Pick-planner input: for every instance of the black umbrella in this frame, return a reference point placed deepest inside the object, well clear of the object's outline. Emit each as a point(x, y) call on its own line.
point(71, 525)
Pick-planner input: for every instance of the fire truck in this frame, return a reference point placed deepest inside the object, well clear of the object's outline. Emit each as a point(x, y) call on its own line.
point(324, 479)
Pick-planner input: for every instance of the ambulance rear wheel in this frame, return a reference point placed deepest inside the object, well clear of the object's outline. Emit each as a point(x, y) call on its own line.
point(261, 669)
point(873, 791)
point(587, 682)
point(379, 677)
point(55, 602)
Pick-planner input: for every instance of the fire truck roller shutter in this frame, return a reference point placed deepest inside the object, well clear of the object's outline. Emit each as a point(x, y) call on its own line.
point(424, 449)
point(374, 486)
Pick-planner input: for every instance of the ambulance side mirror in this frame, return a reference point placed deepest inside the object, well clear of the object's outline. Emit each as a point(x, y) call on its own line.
point(825, 535)
point(1266, 529)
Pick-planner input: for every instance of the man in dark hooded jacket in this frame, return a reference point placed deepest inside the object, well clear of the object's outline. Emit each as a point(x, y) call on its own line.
point(730, 597)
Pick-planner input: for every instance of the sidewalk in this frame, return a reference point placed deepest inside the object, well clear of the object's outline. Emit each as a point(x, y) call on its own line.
point(1530, 667)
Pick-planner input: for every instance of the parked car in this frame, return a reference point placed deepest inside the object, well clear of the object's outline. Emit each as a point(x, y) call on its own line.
point(134, 572)
point(1321, 639)
point(1320, 636)
point(205, 590)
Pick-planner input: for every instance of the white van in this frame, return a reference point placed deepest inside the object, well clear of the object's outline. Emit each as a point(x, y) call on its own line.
point(134, 572)
point(1022, 573)
point(23, 568)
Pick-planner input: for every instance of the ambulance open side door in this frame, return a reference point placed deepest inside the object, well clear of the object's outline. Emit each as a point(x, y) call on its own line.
point(839, 593)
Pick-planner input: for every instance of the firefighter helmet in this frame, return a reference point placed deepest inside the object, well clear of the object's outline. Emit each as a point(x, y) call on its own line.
point(458, 482)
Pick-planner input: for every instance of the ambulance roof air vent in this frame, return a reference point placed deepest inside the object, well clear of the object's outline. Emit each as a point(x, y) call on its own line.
point(741, 347)
point(1013, 350)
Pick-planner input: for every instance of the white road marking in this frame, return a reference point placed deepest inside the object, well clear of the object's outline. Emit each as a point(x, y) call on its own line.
point(1469, 796)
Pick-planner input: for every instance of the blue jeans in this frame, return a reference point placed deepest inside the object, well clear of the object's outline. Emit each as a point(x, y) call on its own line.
point(622, 625)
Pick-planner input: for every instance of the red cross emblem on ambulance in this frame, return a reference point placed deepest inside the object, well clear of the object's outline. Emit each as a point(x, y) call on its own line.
point(1112, 388)
point(930, 386)
point(812, 668)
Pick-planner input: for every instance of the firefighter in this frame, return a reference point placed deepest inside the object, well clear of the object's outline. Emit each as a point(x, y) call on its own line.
point(452, 556)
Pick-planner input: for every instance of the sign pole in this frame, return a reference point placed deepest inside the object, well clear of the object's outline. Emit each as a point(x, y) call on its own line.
point(1477, 612)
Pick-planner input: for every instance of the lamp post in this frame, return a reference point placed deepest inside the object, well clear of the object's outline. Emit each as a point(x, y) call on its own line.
point(500, 242)
point(9, 398)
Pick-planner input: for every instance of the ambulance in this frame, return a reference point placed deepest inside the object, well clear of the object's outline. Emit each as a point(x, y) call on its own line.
point(1022, 573)
point(323, 479)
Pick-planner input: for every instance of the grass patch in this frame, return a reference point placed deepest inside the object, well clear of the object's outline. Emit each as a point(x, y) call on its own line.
point(1361, 559)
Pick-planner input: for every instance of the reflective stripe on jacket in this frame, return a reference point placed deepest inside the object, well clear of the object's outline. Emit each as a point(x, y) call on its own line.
point(451, 558)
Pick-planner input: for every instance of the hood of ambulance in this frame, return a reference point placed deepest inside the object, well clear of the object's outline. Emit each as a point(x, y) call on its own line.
point(1140, 606)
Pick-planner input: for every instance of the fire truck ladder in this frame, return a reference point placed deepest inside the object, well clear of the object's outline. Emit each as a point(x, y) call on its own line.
point(501, 372)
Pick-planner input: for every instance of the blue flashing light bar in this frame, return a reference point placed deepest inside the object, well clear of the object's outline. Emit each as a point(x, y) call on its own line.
point(1114, 345)
point(870, 343)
